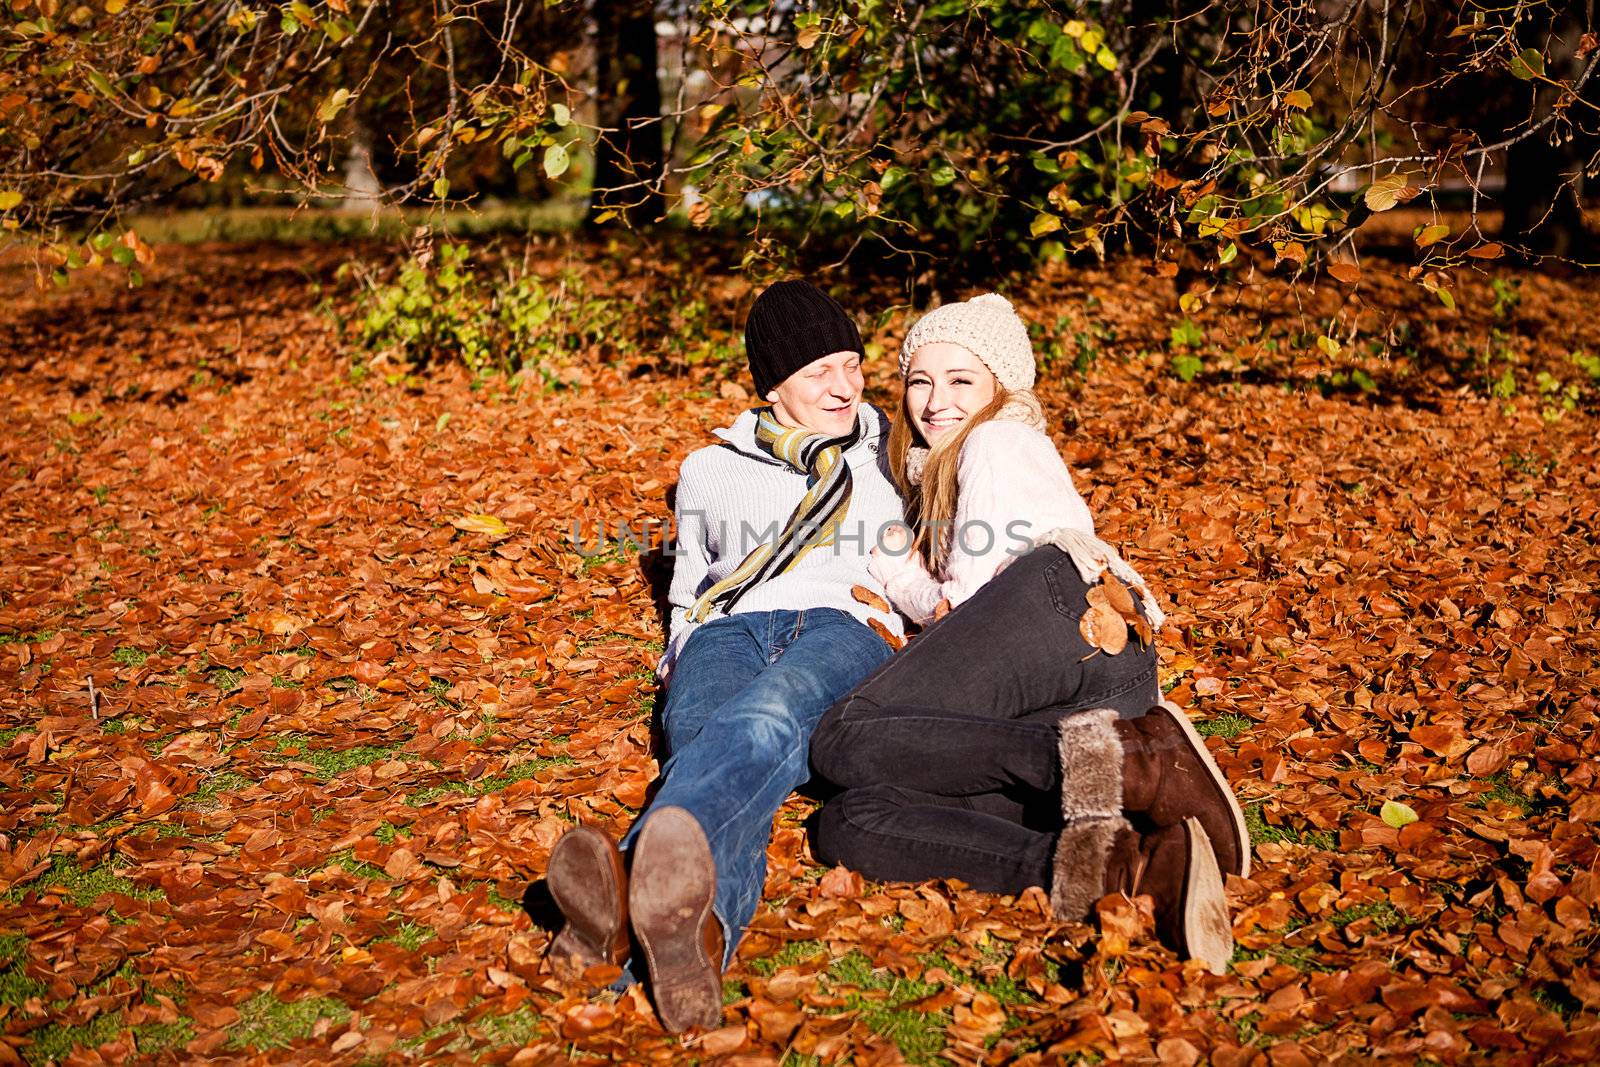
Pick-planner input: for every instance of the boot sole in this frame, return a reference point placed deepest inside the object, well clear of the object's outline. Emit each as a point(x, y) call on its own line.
point(1241, 833)
point(670, 894)
point(583, 883)
point(1207, 931)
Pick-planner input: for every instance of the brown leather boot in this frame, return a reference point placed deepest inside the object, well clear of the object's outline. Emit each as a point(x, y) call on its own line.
point(1168, 776)
point(670, 896)
point(590, 886)
point(1176, 867)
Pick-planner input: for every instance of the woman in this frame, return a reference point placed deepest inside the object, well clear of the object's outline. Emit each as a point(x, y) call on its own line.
point(1022, 739)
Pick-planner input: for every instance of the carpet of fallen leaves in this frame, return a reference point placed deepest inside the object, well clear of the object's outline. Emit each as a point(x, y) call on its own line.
point(302, 678)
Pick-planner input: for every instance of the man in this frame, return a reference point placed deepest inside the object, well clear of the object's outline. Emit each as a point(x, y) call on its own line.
point(774, 528)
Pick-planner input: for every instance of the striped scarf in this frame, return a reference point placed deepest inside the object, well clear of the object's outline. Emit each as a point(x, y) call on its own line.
point(814, 522)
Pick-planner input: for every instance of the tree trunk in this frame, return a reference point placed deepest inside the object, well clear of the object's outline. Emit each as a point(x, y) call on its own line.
point(1544, 187)
point(1545, 172)
point(629, 152)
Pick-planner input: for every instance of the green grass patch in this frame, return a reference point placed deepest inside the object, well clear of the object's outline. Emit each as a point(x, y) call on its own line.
point(1503, 788)
point(129, 657)
point(1304, 960)
point(409, 935)
point(437, 688)
point(213, 787)
point(1222, 726)
point(12, 733)
point(265, 1022)
point(1262, 832)
point(493, 784)
point(19, 638)
point(518, 1027)
point(790, 954)
point(1383, 914)
point(330, 763)
point(16, 988)
point(82, 887)
point(358, 868)
point(53, 1043)
point(226, 679)
point(919, 1035)
point(1552, 996)
point(270, 223)
point(154, 1038)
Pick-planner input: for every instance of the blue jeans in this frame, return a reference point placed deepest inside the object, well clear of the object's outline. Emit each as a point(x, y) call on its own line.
point(745, 695)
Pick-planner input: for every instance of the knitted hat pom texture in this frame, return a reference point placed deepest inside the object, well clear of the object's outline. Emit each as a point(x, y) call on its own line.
point(988, 327)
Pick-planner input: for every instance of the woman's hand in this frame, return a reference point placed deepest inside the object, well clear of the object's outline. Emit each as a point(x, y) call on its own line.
point(893, 541)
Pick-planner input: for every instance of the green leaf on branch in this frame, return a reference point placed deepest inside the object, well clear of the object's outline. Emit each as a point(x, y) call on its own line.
point(562, 114)
point(1044, 223)
point(942, 174)
point(556, 161)
point(1389, 190)
point(1431, 234)
point(1528, 64)
point(333, 105)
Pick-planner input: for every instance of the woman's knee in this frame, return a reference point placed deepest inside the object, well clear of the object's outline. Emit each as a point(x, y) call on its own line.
point(841, 828)
point(834, 746)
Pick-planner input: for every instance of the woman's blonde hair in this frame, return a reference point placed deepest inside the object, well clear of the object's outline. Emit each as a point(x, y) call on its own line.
point(931, 505)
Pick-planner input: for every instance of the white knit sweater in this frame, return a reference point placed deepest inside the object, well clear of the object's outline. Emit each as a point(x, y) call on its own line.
point(734, 496)
point(1014, 489)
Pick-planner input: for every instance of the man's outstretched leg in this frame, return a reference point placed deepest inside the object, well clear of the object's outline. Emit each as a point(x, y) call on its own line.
point(698, 856)
point(670, 898)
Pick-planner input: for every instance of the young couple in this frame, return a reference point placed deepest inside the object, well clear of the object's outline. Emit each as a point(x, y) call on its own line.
point(1019, 740)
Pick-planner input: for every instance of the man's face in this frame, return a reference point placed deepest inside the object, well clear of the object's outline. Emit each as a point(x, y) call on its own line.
point(822, 396)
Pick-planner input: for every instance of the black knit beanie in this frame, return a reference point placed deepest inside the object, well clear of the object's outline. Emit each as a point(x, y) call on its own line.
point(792, 324)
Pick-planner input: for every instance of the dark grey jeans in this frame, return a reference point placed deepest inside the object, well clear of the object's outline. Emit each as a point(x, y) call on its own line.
point(946, 755)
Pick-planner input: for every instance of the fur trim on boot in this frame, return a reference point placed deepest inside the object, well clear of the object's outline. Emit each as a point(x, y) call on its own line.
point(1091, 765)
point(1079, 878)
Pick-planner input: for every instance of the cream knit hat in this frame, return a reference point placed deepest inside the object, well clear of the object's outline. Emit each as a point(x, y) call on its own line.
point(987, 327)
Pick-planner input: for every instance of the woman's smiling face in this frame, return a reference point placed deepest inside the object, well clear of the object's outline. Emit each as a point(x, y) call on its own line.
point(945, 386)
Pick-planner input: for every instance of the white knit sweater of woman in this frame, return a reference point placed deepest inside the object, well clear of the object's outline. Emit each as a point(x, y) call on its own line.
point(1013, 490)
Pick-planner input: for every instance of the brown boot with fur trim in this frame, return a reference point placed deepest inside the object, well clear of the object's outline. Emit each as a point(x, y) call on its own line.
point(1155, 766)
point(1168, 775)
point(1174, 865)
